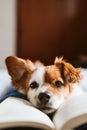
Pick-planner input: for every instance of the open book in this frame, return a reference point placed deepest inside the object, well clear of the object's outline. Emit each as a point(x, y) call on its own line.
point(17, 112)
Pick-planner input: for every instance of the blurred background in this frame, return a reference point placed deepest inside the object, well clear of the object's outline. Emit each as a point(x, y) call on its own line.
point(44, 29)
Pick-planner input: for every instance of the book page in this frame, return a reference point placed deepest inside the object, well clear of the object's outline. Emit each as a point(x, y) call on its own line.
point(72, 113)
point(19, 112)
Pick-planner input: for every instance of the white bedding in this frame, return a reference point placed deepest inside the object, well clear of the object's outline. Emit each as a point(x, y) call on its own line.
point(5, 82)
point(83, 82)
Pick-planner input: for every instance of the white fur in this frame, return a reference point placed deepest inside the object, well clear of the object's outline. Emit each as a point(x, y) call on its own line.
point(37, 76)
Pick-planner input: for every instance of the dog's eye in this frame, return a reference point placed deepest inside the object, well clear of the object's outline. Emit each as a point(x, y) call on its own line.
point(58, 83)
point(34, 84)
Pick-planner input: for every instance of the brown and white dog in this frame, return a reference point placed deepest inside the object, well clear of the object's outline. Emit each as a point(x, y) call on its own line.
point(46, 87)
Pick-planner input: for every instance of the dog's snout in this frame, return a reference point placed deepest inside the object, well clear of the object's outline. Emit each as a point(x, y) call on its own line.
point(43, 98)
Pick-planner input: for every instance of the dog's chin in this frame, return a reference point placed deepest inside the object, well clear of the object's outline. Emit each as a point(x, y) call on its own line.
point(47, 110)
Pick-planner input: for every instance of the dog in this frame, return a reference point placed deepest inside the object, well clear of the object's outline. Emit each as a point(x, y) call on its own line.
point(46, 87)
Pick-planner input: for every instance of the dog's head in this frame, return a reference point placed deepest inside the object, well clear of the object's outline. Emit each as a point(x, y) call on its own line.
point(46, 87)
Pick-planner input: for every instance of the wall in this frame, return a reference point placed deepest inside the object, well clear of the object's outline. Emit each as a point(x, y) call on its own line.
point(7, 29)
point(50, 28)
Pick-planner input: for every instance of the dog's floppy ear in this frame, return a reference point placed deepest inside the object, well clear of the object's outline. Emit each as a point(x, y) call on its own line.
point(68, 72)
point(19, 69)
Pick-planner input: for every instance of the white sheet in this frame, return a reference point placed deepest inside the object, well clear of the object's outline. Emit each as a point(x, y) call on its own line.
point(5, 82)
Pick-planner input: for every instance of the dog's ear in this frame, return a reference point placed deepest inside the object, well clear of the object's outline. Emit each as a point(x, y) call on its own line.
point(69, 73)
point(19, 69)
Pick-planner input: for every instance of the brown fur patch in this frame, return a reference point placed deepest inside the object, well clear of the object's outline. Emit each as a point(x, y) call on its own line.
point(68, 72)
point(20, 71)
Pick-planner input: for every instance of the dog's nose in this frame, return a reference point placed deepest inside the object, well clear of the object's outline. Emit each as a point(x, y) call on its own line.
point(43, 98)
